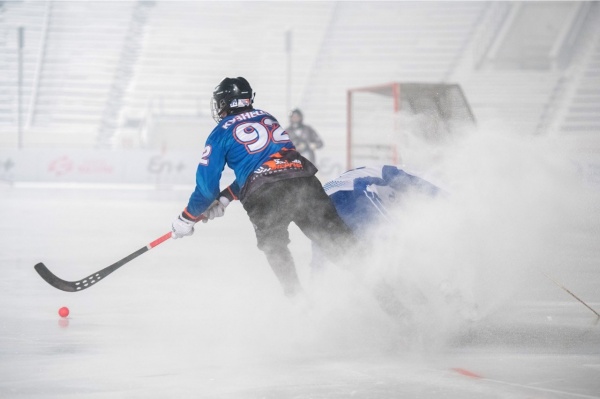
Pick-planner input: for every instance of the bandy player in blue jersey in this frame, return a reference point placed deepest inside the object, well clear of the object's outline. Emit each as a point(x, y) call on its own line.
point(366, 198)
point(275, 184)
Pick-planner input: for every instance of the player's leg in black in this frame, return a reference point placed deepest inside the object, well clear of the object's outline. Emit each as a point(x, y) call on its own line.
point(316, 216)
point(271, 218)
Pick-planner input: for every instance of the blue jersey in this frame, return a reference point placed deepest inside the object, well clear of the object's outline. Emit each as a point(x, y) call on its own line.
point(244, 142)
point(363, 196)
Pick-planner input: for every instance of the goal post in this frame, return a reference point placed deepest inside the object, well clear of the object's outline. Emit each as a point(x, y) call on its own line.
point(384, 122)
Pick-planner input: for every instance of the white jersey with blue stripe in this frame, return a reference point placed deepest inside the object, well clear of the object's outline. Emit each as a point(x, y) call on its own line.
point(349, 180)
point(363, 195)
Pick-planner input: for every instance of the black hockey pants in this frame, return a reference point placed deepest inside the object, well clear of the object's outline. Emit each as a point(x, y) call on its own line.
point(303, 201)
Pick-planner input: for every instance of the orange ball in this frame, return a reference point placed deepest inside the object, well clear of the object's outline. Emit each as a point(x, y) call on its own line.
point(63, 312)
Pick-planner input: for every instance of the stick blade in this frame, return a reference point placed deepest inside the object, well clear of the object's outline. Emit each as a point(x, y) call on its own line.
point(54, 281)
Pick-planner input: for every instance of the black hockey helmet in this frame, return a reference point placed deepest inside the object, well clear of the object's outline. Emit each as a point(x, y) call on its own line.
point(231, 96)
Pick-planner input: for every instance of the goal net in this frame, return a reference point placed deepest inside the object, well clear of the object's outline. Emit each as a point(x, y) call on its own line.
point(388, 123)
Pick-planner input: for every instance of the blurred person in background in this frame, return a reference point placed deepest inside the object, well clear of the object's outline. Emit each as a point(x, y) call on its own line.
point(304, 137)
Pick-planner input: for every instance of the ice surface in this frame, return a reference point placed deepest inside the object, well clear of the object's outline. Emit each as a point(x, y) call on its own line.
point(204, 317)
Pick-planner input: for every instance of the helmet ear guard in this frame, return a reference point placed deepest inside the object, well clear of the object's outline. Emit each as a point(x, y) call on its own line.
point(232, 95)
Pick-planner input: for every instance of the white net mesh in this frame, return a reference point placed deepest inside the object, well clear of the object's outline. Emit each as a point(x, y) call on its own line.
point(404, 122)
point(373, 128)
